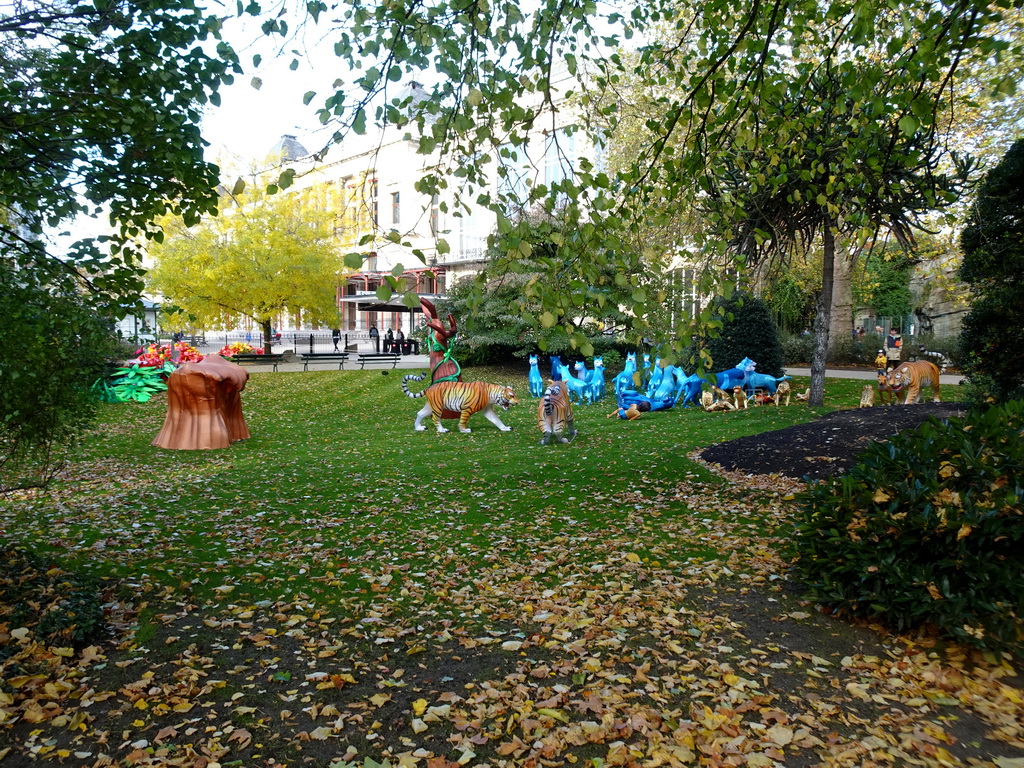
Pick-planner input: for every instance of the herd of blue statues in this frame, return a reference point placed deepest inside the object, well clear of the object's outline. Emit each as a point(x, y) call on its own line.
point(661, 386)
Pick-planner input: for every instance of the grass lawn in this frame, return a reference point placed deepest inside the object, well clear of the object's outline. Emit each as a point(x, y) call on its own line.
point(340, 589)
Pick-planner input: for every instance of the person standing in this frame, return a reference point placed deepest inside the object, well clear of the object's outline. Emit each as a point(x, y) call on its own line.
point(389, 341)
point(400, 342)
point(375, 338)
point(892, 348)
point(335, 337)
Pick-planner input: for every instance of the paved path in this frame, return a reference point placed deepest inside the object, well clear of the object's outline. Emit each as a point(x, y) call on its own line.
point(854, 373)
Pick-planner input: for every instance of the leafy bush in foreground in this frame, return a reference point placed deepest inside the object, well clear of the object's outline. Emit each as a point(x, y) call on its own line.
point(928, 528)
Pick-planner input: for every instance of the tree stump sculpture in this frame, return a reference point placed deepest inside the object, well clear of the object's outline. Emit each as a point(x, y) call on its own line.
point(204, 406)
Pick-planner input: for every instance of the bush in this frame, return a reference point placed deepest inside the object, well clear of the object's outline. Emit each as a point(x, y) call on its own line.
point(54, 346)
point(797, 349)
point(747, 331)
point(927, 529)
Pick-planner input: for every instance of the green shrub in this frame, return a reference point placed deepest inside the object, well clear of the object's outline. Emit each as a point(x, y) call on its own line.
point(748, 330)
point(797, 349)
point(927, 529)
point(848, 351)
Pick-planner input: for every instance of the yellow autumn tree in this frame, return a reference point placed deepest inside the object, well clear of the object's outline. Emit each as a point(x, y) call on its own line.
point(262, 255)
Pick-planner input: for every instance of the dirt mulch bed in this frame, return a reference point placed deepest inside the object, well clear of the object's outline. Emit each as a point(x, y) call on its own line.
point(826, 446)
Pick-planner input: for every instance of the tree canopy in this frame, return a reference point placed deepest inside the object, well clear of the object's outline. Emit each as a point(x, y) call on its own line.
point(100, 117)
point(493, 75)
point(265, 254)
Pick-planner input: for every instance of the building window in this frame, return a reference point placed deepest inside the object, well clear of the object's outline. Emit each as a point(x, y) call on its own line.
point(374, 203)
point(435, 216)
point(396, 209)
point(559, 155)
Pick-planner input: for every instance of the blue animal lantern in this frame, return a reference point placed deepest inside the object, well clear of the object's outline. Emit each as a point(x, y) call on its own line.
point(578, 388)
point(764, 381)
point(647, 371)
point(556, 367)
point(735, 377)
point(536, 383)
point(657, 374)
point(689, 388)
point(596, 381)
point(624, 380)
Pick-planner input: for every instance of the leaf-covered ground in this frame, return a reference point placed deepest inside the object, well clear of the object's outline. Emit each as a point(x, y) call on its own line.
point(339, 590)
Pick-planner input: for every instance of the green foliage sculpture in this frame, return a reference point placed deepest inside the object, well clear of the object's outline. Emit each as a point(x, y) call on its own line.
point(993, 265)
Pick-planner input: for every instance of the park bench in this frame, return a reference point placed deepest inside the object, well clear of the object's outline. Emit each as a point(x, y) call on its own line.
point(324, 357)
point(383, 357)
point(248, 359)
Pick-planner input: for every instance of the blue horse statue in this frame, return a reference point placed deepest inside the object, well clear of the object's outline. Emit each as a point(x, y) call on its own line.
point(578, 388)
point(688, 388)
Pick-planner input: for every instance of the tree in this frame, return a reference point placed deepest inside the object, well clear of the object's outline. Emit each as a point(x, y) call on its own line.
point(100, 109)
point(264, 254)
point(500, 307)
point(102, 102)
point(845, 165)
point(993, 265)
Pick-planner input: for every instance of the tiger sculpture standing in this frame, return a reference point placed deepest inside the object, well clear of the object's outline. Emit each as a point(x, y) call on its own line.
point(554, 414)
point(460, 399)
point(913, 376)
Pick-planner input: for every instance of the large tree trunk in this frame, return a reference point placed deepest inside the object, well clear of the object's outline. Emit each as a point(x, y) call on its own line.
point(842, 295)
point(823, 316)
point(267, 340)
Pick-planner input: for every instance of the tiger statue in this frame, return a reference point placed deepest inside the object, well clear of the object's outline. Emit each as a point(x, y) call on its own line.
point(885, 395)
point(913, 376)
point(460, 400)
point(554, 414)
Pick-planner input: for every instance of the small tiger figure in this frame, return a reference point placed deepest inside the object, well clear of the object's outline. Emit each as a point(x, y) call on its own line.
point(554, 414)
point(460, 400)
point(867, 397)
point(885, 395)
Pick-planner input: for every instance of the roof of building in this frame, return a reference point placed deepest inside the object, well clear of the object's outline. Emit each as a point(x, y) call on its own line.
point(288, 150)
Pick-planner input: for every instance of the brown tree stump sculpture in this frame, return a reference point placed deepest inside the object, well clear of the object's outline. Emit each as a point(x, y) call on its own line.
point(204, 406)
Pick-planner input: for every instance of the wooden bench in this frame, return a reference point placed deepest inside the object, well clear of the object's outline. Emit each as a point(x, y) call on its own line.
point(324, 357)
point(383, 357)
point(247, 359)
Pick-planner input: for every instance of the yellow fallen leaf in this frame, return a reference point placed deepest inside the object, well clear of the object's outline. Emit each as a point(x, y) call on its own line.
point(858, 691)
point(557, 714)
point(880, 497)
point(419, 707)
point(418, 726)
point(779, 734)
point(633, 557)
point(380, 699)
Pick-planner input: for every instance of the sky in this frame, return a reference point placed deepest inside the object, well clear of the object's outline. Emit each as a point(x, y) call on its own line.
point(249, 121)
